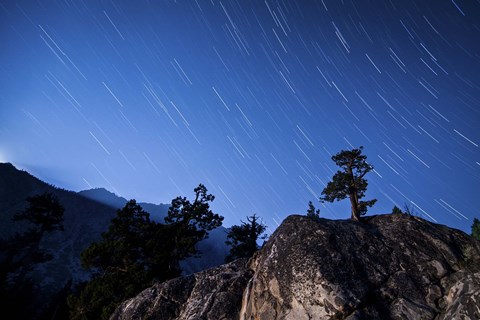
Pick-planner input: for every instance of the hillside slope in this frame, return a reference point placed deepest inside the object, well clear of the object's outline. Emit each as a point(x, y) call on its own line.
point(87, 215)
point(84, 220)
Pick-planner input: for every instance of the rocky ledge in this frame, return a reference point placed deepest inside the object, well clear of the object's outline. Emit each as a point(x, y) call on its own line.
point(385, 267)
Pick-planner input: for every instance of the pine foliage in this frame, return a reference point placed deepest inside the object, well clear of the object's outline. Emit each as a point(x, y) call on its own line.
point(396, 210)
point(44, 211)
point(136, 250)
point(349, 182)
point(243, 238)
point(312, 212)
point(191, 221)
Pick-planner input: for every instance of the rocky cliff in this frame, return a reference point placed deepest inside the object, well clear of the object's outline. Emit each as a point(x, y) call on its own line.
point(386, 267)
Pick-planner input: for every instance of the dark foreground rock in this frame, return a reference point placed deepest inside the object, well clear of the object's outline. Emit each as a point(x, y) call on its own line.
point(213, 294)
point(387, 267)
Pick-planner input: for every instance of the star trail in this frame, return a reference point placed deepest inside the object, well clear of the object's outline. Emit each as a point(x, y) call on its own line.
point(250, 98)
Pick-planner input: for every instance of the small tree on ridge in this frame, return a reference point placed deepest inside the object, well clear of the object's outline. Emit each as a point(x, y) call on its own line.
point(243, 238)
point(476, 229)
point(350, 182)
point(312, 212)
point(396, 210)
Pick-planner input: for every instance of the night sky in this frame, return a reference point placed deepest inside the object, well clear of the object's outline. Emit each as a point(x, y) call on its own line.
point(251, 98)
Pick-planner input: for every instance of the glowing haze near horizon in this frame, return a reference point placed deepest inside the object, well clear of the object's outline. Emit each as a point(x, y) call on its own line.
point(251, 98)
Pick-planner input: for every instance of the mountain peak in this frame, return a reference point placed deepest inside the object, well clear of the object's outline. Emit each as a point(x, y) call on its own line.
point(99, 190)
point(6, 165)
point(104, 196)
point(9, 168)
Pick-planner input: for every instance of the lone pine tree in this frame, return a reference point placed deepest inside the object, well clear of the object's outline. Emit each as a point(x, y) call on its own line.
point(44, 211)
point(44, 214)
point(396, 210)
point(349, 181)
point(191, 221)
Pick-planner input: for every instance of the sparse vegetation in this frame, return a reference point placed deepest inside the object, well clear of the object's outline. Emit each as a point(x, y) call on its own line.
point(396, 210)
point(312, 212)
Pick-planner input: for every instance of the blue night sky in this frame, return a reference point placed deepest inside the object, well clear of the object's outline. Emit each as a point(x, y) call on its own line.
point(251, 98)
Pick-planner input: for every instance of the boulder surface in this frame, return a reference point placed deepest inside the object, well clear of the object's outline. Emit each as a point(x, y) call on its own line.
point(386, 267)
point(213, 294)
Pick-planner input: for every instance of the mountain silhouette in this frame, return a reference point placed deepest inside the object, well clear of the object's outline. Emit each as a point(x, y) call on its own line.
point(157, 211)
point(87, 214)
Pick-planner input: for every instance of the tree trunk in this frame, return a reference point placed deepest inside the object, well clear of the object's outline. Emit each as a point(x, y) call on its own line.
point(353, 195)
point(354, 205)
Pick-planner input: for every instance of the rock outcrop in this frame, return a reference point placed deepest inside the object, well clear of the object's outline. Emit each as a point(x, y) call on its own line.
point(386, 267)
point(213, 294)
